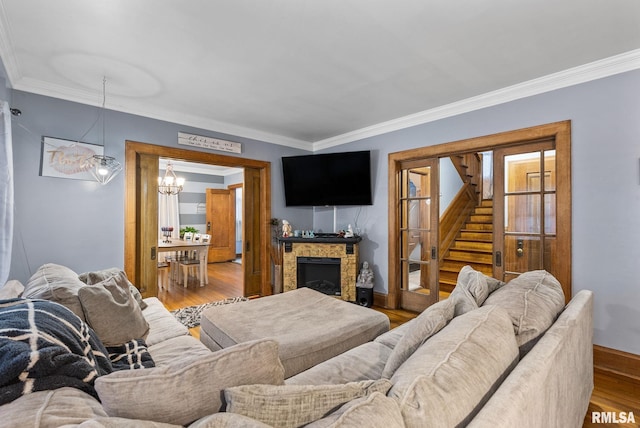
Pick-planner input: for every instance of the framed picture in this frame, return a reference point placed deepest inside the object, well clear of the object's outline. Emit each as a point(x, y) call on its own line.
point(67, 159)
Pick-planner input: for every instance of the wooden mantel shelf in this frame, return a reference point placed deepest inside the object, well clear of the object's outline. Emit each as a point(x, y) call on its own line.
point(328, 238)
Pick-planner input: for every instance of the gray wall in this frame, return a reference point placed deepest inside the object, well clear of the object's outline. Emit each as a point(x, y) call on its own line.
point(605, 116)
point(80, 224)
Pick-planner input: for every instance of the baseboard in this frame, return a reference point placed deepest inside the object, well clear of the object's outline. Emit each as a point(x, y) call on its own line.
point(380, 299)
point(619, 363)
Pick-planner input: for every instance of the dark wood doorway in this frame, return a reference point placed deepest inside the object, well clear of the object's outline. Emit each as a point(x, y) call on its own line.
point(141, 170)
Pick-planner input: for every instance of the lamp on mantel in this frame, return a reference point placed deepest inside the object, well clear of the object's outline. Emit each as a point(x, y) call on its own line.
point(103, 168)
point(170, 184)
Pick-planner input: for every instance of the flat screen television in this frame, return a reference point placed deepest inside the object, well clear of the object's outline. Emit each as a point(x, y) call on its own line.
point(327, 179)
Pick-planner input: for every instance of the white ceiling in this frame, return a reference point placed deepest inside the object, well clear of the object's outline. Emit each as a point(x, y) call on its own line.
point(308, 73)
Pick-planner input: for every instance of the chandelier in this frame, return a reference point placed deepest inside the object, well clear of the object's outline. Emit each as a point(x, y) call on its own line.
point(170, 184)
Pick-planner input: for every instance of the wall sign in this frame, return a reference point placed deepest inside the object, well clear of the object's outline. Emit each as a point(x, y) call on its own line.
point(67, 159)
point(209, 143)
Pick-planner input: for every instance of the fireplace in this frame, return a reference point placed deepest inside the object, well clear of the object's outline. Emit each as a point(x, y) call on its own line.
point(319, 273)
point(326, 249)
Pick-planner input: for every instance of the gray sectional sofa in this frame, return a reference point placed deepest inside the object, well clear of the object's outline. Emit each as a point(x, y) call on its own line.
point(491, 355)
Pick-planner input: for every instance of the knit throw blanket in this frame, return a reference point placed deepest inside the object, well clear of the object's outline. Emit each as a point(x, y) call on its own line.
point(45, 346)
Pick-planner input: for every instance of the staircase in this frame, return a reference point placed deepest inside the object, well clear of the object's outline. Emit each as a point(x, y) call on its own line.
point(473, 246)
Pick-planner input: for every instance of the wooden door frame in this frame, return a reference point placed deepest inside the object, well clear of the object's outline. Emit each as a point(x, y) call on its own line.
point(559, 131)
point(134, 149)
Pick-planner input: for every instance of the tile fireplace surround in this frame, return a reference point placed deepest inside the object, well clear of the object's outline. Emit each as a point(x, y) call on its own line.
point(346, 249)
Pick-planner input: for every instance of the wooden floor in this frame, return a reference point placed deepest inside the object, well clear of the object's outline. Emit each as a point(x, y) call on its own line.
point(611, 393)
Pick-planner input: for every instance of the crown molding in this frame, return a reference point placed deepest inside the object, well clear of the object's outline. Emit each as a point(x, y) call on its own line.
point(147, 110)
point(617, 64)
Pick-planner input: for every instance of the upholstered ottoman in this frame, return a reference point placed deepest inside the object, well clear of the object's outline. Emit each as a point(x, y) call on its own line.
point(310, 327)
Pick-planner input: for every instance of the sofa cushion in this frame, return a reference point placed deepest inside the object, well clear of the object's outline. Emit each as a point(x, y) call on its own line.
point(228, 420)
point(391, 338)
point(180, 347)
point(109, 422)
point(428, 323)
point(186, 390)
point(471, 290)
point(450, 377)
point(51, 409)
point(98, 276)
point(11, 290)
point(58, 284)
point(112, 312)
point(289, 406)
point(533, 300)
point(162, 324)
point(363, 362)
point(373, 411)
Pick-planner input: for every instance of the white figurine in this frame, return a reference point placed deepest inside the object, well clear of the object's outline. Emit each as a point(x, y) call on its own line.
point(286, 229)
point(365, 279)
point(349, 233)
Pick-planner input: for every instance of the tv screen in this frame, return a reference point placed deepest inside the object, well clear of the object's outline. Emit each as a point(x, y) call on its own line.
point(327, 179)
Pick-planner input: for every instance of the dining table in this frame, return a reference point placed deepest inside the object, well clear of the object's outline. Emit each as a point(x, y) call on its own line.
point(178, 246)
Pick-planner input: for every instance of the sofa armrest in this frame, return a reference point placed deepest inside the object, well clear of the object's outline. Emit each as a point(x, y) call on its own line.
point(552, 384)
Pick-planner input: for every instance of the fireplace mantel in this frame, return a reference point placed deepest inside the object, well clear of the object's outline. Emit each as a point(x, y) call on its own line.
point(346, 249)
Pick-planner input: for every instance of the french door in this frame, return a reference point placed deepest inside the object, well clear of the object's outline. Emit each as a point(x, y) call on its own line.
point(419, 233)
point(531, 211)
point(525, 217)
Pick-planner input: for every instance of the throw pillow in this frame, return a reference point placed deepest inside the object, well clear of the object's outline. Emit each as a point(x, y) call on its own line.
point(472, 289)
point(58, 284)
point(450, 378)
point(289, 406)
point(428, 323)
point(374, 411)
point(112, 312)
point(11, 290)
point(533, 301)
point(51, 408)
point(180, 393)
point(97, 277)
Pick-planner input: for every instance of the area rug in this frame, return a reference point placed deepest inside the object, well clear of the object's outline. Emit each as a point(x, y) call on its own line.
point(191, 315)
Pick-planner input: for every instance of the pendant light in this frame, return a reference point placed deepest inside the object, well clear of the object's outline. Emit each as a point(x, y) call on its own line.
point(103, 168)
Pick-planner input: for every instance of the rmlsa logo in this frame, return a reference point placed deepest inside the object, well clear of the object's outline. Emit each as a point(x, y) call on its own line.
point(613, 418)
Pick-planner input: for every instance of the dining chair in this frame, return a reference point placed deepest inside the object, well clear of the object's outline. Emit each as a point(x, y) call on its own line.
point(163, 275)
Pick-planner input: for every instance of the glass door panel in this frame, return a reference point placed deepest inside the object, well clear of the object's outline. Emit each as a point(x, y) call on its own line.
point(418, 234)
point(527, 218)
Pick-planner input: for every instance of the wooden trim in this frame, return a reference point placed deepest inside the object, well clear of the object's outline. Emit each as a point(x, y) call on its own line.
point(380, 299)
point(559, 131)
point(134, 149)
point(619, 362)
